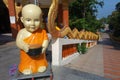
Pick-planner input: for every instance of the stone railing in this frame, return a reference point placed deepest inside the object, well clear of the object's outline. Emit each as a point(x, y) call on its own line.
point(57, 48)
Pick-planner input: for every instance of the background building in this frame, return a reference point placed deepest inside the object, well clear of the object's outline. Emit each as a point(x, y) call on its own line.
point(15, 6)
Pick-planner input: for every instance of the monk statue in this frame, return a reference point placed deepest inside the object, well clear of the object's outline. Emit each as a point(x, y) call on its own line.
point(32, 41)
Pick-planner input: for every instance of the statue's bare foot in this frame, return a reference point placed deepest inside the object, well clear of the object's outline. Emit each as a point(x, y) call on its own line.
point(42, 69)
point(27, 72)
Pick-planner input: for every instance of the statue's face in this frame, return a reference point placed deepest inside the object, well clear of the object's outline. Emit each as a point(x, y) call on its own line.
point(31, 23)
point(31, 17)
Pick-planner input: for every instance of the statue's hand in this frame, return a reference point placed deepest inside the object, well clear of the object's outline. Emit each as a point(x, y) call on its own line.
point(43, 50)
point(26, 47)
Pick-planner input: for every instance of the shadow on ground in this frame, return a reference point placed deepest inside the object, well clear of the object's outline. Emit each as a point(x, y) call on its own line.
point(5, 38)
point(64, 73)
point(109, 42)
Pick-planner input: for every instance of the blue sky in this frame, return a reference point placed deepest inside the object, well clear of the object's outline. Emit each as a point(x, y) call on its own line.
point(109, 6)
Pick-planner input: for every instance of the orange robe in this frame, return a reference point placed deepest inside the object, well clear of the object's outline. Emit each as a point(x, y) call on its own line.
point(27, 62)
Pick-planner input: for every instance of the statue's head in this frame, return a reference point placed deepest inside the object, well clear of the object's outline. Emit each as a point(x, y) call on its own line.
point(31, 17)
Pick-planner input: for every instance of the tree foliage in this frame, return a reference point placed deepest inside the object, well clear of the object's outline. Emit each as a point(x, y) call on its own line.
point(83, 14)
point(114, 21)
point(81, 8)
point(118, 6)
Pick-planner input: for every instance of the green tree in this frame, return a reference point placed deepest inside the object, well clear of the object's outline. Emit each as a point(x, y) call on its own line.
point(114, 20)
point(83, 14)
point(80, 8)
point(118, 6)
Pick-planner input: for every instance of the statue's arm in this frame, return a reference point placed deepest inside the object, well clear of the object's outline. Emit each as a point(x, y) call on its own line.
point(44, 45)
point(20, 43)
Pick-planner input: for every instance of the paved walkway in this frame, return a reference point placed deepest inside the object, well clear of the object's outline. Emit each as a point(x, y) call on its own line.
point(91, 62)
point(102, 62)
point(111, 58)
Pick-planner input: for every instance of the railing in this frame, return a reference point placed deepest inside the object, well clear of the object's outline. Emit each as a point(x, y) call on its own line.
point(57, 50)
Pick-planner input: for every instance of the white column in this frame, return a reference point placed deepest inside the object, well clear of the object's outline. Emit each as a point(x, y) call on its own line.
point(56, 52)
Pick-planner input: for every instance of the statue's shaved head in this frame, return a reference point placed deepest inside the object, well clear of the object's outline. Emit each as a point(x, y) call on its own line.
point(31, 9)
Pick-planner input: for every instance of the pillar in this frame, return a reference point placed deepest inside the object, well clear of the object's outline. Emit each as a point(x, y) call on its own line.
point(65, 4)
point(11, 6)
point(60, 14)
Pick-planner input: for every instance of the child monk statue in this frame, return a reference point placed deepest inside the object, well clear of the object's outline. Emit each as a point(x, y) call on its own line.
point(32, 41)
